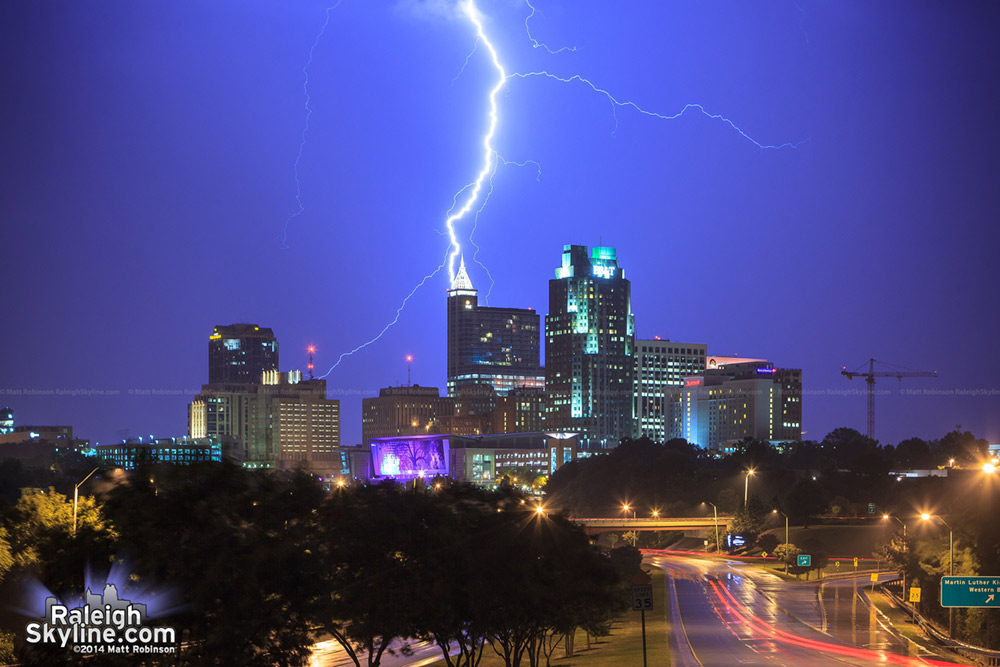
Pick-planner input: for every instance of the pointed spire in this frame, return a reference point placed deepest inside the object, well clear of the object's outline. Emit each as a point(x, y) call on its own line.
point(462, 280)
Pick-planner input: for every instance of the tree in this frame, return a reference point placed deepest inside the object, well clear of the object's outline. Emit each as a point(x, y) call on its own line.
point(376, 545)
point(787, 553)
point(805, 500)
point(964, 447)
point(242, 548)
point(42, 540)
point(748, 521)
point(767, 542)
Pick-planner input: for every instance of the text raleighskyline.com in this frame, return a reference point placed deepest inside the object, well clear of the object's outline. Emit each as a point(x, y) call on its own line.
point(104, 624)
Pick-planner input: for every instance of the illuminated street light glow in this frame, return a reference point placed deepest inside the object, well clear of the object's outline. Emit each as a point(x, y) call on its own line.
point(746, 486)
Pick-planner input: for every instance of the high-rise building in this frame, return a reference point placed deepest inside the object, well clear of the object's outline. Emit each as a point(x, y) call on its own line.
point(790, 380)
point(402, 411)
point(733, 401)
point(6, 421)
point(240, 353)
point(282, 421)
point(660, 366)
point(589, 350)
point(499, 347)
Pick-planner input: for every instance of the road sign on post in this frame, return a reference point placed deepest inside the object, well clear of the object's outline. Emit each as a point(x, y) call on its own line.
point(914, 594)
point(804, 560)
point(642, 597)
point(855, 561)
point(970, 591)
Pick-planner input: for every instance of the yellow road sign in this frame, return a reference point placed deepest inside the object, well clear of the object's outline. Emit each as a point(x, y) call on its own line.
point(855, 561)
point(874, 576)
point(914, 594)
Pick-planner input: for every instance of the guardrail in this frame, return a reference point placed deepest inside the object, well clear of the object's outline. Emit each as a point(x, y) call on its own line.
point(988, 656)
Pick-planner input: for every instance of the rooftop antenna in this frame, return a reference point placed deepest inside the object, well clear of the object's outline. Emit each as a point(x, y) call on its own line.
point(409, 362)
point(311, 349)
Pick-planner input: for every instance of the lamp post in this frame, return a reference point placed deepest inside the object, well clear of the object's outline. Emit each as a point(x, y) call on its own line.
point(715, 513)
point(786, 536)
point(76, 495)
point(746, 486)
point(906, 547)
point(951, 565)
point(632, 509)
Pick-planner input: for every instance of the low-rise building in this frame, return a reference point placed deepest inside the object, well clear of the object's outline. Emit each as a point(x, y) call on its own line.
point(173, 451)
point(469, 459)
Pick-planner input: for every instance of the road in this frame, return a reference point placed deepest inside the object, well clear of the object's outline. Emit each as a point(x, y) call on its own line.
point(725, 613)
point(329, 653)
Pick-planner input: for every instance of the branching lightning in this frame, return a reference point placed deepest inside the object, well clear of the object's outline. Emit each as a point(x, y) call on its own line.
point(470, 193)
point(535, 42)
point(395, 319)
point(305, 127)
point(616, 104)
point(475, 47)
point(475, 257)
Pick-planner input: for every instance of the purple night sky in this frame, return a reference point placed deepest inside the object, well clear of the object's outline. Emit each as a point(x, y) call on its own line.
point(150, 153)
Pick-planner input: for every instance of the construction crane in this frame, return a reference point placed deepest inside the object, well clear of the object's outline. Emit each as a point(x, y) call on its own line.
point(870, 376)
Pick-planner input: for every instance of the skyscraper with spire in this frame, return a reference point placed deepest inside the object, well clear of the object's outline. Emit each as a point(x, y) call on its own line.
point(497, 347)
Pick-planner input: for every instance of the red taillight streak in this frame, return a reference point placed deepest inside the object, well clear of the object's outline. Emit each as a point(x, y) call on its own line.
point(722, 593)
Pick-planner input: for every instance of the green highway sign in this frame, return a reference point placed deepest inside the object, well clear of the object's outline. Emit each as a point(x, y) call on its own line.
point(805, 560)
point(970, 591)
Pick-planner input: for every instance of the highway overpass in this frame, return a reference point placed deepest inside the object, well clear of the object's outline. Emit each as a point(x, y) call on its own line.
point(596, 526)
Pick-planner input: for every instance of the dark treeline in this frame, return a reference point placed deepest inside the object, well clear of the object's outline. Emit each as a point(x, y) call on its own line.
point(677, 478)
point(840, 480)
point(267, 562)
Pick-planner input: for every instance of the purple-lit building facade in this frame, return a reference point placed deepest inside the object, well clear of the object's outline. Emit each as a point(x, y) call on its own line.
point(476, 459)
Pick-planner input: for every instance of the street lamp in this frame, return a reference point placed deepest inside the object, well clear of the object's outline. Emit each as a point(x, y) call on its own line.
point(746, 486)
point(76, 495)
point(786, 535)
point(906, 547)
point(715, 513)
point(632, 509)
point(951, 565)
point(989, 468)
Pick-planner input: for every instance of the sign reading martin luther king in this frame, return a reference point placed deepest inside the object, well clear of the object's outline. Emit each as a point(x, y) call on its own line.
point(970, 591)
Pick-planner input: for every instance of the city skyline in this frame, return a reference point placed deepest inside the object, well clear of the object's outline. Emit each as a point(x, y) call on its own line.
point(154, 151)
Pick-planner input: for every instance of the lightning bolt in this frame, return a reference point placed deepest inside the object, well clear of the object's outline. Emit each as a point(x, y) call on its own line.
point(475, 47)
point(617, 104)
point(475, 225)
point(489, 154)
point(395, 319)
point(305, 127)
point(490, 157)
point(470, 193)
point(534, 42)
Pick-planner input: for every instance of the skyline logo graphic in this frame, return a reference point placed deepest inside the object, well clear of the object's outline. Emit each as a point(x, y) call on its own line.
point(105, 623)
